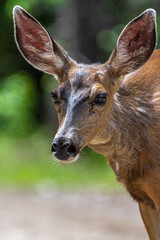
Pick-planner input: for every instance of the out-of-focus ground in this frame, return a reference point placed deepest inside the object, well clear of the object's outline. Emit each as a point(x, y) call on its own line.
point(69, 215)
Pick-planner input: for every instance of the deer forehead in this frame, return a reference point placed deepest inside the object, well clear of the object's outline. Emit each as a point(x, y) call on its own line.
point(85, 76)
point(82, 82)
point(86, 72)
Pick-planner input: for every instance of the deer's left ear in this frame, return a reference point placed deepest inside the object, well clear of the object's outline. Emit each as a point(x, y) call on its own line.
point(37, 47)
point(135, 45)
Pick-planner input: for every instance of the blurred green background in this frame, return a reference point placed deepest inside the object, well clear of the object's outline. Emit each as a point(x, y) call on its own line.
point(88, 30)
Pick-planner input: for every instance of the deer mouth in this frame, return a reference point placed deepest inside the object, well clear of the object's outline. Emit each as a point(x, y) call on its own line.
point(67, 161)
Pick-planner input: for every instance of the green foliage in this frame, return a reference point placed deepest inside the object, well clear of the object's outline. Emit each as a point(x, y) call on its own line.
point(106, 39)
point(17, 102)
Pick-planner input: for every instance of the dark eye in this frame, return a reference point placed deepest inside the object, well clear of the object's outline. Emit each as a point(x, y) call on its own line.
point(101, 98)
point(54, 97)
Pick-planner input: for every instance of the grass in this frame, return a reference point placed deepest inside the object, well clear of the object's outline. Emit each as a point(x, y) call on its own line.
point(28, 163)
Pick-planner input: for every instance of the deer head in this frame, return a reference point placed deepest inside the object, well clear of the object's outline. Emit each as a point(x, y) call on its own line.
point(85, 94)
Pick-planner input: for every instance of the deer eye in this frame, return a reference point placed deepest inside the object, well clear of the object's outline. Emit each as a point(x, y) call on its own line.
point(54, 97)
point(101, 98)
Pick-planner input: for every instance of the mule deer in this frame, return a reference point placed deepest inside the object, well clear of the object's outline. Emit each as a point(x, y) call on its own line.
point(114, 107)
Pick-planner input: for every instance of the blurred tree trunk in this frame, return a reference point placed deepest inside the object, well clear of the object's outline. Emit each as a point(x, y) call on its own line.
point(77, 25)
point(79, 22)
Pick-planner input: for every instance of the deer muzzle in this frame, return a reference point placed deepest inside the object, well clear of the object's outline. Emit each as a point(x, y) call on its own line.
point(64, 149)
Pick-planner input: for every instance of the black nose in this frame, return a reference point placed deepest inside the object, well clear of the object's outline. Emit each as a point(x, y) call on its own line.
point(63, 148)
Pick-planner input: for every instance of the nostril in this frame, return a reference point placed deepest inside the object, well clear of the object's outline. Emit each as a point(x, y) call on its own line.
point(63, 148)
point(71, 149)
point(54, 147)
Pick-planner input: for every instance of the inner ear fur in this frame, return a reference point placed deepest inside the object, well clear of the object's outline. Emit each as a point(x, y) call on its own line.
point(36, 45)
point(134, 46)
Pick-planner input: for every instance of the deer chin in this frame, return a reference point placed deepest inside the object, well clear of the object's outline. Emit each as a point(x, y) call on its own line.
point(69, 160)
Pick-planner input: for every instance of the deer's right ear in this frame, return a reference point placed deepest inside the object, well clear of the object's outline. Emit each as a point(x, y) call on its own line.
point(37, 47)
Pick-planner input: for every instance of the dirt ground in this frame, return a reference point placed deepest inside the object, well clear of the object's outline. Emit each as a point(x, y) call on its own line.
point(63, 215)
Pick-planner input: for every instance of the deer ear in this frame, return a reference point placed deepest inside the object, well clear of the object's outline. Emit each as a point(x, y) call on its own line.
point(135, 45)
point(36, 45)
